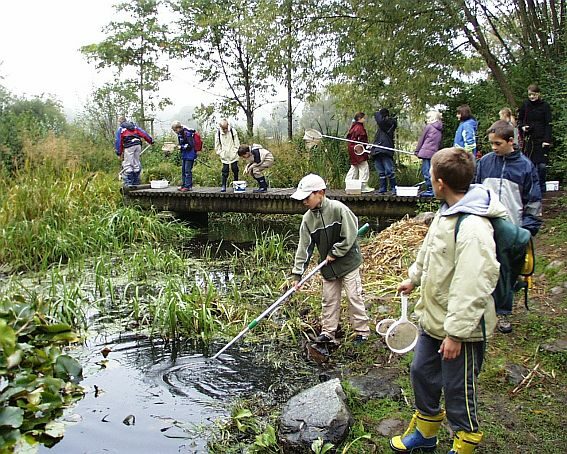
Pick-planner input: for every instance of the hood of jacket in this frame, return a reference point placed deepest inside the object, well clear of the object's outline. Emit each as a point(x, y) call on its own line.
point(471, 122)
point(478, 200)
point(437, 124)
point(128, 125)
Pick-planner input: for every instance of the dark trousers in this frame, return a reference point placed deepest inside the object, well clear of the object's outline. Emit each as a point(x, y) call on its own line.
point(233, 167)
point(456, 379)
point(542, 175)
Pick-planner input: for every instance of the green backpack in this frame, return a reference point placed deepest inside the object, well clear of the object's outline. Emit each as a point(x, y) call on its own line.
point(511, 246)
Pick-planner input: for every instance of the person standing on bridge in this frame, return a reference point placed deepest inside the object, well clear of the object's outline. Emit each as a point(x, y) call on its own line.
point(226, 147)
point(359, 169)
point(128, 145)
point(188, 154)
point(259, 159)
point(333, 228)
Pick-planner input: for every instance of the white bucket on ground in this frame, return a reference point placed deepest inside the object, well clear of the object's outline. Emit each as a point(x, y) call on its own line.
point(353, 187)
point(239, 186)
point(159, 184)
point(552, 185)
point(407, 191)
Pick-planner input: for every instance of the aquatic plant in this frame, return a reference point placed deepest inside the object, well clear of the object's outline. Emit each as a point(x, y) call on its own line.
point(37, 379)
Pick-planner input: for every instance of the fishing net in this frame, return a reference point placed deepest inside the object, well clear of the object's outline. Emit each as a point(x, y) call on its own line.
point(312, 138)
point(402, 337)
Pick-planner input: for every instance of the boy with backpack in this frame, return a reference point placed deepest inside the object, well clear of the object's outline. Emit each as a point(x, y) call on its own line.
point(259, 159)
point(226, 147)
point(457, 275)
point(513, 177)
point(186, 139)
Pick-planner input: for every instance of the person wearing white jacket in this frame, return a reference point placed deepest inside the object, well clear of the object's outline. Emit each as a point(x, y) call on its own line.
point(226, 147)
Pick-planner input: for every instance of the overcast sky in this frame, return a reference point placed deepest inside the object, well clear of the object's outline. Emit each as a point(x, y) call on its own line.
point(39, 51)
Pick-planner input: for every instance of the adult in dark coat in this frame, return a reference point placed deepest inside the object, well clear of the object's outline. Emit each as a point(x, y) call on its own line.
point(534, 124)
point(384, 157)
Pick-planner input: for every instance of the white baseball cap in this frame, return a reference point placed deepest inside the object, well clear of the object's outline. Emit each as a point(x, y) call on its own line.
point(308, 184)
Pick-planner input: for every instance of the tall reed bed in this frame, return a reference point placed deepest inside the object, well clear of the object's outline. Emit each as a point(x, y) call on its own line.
point(52, 210)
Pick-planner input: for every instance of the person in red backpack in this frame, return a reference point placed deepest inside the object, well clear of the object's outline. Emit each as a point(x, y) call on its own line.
point(185, 137)
point(128, 145)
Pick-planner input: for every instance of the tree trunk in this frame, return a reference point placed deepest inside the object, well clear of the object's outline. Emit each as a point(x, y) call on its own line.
point(289, 71)
point(478, 41)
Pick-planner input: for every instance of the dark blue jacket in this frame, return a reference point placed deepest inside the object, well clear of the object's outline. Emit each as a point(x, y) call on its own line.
point(185, 138)
point(514, 179)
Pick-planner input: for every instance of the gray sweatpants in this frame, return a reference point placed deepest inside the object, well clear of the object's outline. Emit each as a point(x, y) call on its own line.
point(457, 379)
point(131, 162)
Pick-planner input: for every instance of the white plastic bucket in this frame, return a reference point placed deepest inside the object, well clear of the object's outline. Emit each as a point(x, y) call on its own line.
point(407, 191)
point(552, 185)
point(239, 186)
point(353, 187)
point(159, 184)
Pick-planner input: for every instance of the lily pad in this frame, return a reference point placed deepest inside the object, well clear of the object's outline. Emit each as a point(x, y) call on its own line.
point(11, 417)
point(7, 338)
point(68, 368)
point(55, 429)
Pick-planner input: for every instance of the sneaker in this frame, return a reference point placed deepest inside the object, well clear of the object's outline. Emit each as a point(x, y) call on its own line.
point(323, 339)
point(260, 190)
point(183, 189)
point(504, 325)
point(360, 339)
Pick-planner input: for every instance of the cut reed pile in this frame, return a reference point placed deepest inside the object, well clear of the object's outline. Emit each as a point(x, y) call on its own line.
point(387, 256)
point(390, 252)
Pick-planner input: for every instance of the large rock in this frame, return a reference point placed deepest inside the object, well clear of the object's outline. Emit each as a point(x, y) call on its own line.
point(318, 412)
point(378, 383)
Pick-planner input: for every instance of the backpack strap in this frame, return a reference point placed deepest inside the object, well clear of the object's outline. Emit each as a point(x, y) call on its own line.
point(231, 133)
point(460, 219)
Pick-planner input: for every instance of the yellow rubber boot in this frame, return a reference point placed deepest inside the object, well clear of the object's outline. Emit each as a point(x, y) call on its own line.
point(421, 434)
point(465, 442)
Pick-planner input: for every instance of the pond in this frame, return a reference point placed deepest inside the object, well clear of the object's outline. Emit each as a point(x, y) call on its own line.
point(148, 395)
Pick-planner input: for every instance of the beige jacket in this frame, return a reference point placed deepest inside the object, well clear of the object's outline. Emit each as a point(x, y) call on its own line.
point(226, 145)
point(458, 278)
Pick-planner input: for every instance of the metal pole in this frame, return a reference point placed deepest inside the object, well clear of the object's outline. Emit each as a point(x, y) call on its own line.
point(367, 144)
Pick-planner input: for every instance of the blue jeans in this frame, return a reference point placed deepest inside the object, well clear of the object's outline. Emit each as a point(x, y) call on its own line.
point(384, 165)
point(425, 166)
point(187, 173)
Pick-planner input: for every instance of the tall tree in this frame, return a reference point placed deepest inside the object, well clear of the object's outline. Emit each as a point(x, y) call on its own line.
point(401, 54)
point(220, 42)
point(292, 49)
point(134, 47)
point(504, 32)
point(105, 105)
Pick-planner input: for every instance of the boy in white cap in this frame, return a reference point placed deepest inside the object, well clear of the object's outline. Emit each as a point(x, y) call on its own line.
point(332, 227)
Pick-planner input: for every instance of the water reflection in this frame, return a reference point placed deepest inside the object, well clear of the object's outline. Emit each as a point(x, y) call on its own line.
point(173, 390)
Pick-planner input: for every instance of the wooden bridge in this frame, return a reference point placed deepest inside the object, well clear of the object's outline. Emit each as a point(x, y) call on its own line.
point(195, 205)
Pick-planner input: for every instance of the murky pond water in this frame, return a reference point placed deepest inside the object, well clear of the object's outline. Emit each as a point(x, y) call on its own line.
point(148, 396)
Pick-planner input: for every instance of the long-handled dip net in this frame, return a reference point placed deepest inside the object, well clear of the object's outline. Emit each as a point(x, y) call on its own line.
point(313, 137)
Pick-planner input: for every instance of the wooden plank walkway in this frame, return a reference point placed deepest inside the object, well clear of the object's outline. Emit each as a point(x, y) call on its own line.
point(275, 201)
